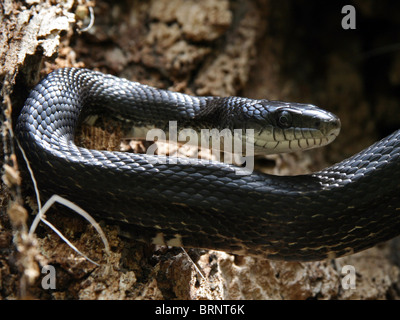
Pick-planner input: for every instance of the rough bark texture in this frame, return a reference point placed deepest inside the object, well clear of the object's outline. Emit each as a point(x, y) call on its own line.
point(256, 48)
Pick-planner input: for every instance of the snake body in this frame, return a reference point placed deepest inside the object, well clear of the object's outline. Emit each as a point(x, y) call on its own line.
point(342, 209)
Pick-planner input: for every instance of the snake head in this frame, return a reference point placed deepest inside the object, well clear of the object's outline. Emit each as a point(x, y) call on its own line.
point(286, 127)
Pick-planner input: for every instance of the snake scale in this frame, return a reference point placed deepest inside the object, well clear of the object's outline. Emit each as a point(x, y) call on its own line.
point(342, 209)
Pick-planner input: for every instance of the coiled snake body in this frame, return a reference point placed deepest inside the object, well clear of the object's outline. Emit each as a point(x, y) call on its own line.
point(342, 209)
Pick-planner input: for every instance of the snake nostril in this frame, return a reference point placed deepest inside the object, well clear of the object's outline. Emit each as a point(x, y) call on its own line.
point(334, 129)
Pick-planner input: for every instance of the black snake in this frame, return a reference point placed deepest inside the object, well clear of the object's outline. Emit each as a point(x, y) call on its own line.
point(342, 209)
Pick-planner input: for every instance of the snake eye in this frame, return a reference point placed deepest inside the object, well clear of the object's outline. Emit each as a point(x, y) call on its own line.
point(284, 119)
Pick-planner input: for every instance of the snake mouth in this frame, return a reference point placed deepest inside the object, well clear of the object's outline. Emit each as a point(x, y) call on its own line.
point(273, 140)
point(272, 147)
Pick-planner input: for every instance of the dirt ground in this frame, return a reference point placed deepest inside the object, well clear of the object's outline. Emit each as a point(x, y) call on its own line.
point(279, 50)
